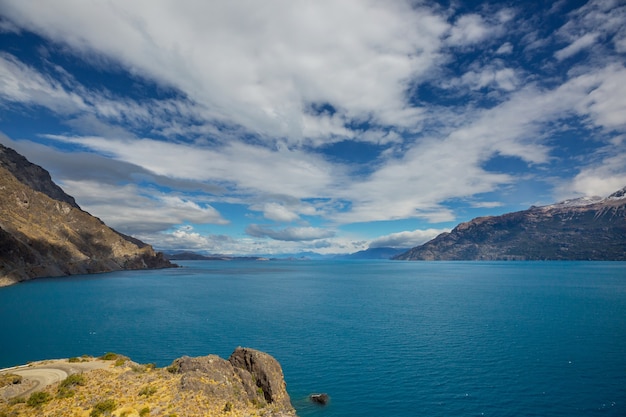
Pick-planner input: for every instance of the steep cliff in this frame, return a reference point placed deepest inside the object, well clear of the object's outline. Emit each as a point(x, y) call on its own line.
point(581, 229)
point(249, 383)
point(43, 232)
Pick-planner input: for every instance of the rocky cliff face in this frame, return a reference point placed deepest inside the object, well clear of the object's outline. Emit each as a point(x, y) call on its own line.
point(43, 232)
point(249, 376)
point(581, 229)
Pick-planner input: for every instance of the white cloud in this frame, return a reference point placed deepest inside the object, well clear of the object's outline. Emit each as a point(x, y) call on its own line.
point(505, 49)
point(468, 29)
point(252, 169)
point(605, 175)
point(261, 70)
point(606, 102)
point(289, 233)
point(132, 210)
point(279, 213)
point(407, 239)
point(587, 25)
point(20, 83)
point(7, 26)
point(502, 78)
point(584, 42)
point(486, 204)
point(261, 73)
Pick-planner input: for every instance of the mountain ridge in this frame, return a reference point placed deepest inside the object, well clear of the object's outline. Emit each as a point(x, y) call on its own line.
point(43, 231)
point(579, 229)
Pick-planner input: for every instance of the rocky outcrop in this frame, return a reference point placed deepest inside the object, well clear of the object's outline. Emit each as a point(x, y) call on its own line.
point(267, 373)
point(43, 232)
point(248, 376)
point(194, 387)
point(581, 229)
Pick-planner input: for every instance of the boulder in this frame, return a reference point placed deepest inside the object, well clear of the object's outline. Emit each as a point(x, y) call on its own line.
point(319, 398)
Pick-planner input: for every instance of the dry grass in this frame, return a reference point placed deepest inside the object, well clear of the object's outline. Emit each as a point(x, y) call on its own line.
point(137, 392)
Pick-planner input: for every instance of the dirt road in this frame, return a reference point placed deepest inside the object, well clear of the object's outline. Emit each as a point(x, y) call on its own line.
point(39, 375)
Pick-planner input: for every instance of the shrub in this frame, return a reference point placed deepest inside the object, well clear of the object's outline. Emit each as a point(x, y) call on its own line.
point(228, 407)
point(65, 387)
point(38, 399)
point(103, 408)
point(73, 359)
point(120, 362)
point(144, 412)
point(72, 381)
point(109, 356)
point(148, 390)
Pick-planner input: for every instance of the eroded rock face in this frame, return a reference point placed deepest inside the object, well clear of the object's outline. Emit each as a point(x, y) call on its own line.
point(267, 373)
point(248, 376)
point(43, 232)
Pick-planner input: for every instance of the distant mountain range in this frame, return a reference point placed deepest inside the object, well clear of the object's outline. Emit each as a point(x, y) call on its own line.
point(372, 253)
point(580, 229)
point(192, 256)
point(43, 232)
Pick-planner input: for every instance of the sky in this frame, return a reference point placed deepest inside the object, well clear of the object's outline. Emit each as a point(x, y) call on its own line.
point(277, 127)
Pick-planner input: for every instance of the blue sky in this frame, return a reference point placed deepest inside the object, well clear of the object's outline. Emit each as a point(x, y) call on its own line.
point(244, 127)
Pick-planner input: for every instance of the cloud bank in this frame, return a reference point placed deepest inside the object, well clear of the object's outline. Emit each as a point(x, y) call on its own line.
point(291, 121)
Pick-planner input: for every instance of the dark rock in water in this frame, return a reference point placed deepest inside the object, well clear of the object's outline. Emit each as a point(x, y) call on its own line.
point(319, 398)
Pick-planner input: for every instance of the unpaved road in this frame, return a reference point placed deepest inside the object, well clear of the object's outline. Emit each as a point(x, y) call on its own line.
point(39, 375)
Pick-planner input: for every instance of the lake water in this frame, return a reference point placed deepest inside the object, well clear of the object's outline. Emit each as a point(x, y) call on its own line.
point(382, 338)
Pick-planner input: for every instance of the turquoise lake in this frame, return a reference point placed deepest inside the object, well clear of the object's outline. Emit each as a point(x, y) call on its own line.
point(382, 338)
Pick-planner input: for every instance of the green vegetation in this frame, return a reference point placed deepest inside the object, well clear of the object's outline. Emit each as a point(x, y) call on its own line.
point(105, 407)
point(74, 359)
point(65, 388)
point(144, 412)
point(120, 362)
point(148, 390)
point(228, 407)
point(38, 399)
point(109, 356)
point(73, 380)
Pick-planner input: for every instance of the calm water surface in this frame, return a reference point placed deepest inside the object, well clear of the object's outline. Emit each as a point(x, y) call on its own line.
point(382, 338)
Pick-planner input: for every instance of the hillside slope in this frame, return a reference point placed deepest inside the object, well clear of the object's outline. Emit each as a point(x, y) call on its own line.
point(581, 229)
point(250, 383)
point(43, 232)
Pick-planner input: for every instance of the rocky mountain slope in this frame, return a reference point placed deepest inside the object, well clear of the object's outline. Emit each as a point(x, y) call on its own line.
point(43, 232)
point(580, 229)
point(249, 383)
